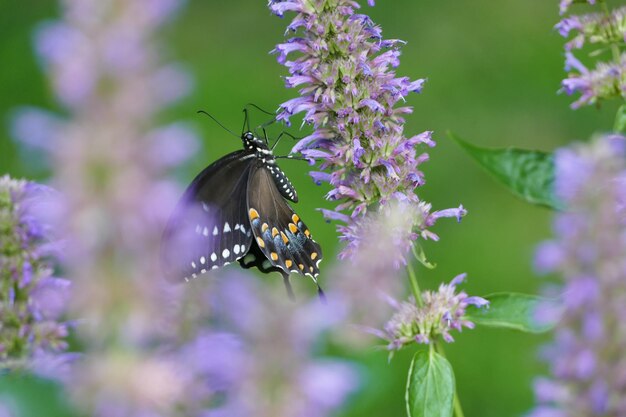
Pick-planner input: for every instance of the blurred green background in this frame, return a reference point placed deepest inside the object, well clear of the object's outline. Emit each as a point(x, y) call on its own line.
point(493, 72)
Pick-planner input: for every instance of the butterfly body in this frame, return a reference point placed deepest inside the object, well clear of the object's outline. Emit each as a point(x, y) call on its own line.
point(235, 210)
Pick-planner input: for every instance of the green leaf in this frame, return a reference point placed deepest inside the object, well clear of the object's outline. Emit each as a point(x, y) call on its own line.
point(620, 120)
point(30, 396)
point(430, 386)
point(420, 255)
point(527, 174)
point(512, 311)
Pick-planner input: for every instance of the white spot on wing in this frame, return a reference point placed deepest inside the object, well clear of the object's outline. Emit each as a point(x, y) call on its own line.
point(226, 227)
point(236, 249)
point(202, 260)
point(205, 207)
point(205, 231)
point(215, 231)
point(193, 264)
point(225, 253)
point(213, 257)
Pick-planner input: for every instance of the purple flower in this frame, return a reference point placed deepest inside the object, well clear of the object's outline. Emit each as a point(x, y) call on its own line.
point(606, 81)
point(588, 252)
point(438, 313)
point(351, 96)
point(607, 30)
point(32, 301)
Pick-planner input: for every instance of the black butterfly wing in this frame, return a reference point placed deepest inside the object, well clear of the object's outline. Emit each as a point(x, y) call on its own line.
point(210, 227)
point(278, 232)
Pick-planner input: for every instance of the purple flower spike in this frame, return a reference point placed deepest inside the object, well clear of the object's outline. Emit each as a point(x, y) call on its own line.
point(32, 302)
point(588, 252)
point(349, 93)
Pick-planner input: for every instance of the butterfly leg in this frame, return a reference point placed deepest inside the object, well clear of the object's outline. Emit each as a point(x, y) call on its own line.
point(320, 293)
point(288, 288)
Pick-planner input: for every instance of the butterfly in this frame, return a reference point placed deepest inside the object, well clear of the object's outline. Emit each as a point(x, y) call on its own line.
point(236, 209)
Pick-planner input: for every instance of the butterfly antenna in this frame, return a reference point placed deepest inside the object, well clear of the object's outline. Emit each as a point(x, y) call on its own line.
point(258, 108)
point(246, 123)
point(283, 133)
point(288, 288)
point(221, 125)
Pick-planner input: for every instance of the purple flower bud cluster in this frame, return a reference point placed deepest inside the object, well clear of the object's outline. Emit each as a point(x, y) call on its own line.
point(434, 316)
point(349, 93)
point(607, 32)
point(588, 253)
point(32, 300)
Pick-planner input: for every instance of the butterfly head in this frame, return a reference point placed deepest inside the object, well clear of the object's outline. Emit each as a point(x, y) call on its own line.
point(252, 143)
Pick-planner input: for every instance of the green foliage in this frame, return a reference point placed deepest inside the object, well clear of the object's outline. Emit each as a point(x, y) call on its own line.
point(527, 174)
point(430, 386)
point(30, 396)
point(511, 311)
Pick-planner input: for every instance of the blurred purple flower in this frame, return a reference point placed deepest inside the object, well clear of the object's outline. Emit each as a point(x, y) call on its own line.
point(587, 365)
point(276, 371)
point(349, 94)
point(32, 301)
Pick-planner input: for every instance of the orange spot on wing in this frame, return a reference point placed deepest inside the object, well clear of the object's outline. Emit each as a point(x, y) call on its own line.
point(301, 267)
point(293, 228)
point(288, 263)
point(274, 256)
point(260, 242)
point(274, 232)
point(264, 227)
point(314, 255)
point(284, 236)
point(295, 218)
point(253, 214)
point(307, 233)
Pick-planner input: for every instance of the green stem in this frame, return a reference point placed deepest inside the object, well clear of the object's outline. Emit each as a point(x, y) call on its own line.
point(414, 285)
point(458, 410)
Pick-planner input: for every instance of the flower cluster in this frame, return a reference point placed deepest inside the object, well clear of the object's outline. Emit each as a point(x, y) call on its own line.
point(588, 252)
point(607, 80)
point(434, 316)
point(349, 92)
point(32, 300)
